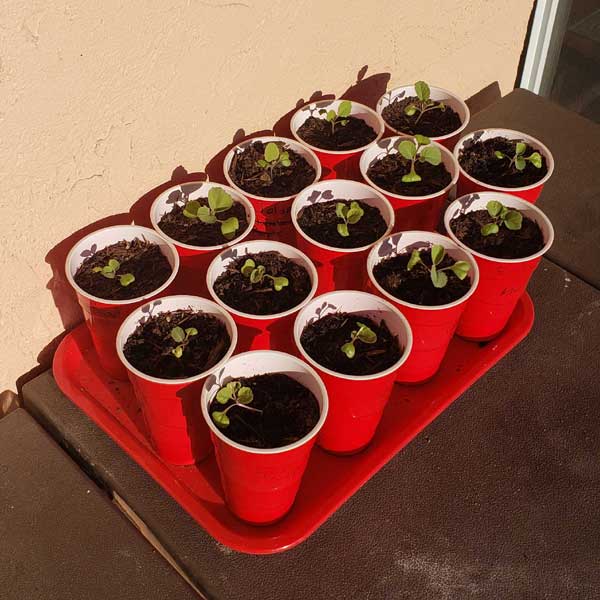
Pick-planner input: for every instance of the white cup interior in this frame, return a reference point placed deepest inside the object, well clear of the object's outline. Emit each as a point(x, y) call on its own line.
point(111, 235)
point(173, 303)
point(260, 362)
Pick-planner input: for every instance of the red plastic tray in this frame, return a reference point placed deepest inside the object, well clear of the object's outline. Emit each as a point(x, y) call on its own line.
point(329, 480)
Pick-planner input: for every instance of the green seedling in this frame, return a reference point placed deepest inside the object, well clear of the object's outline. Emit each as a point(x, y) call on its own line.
point(363, 334)
point(421, 151)
point(501, 215)
point(219, 201)
point(182, 337)
point(439, 279)
point(340, 117)
point(240, 396)
point(350, 215)
point(257, 273)
point(518, 160)
point(424, 103)
point(273, 157)
point(110, 272)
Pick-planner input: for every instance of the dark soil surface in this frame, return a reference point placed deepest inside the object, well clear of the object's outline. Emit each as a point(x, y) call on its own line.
point(141, 258)
point(506, 243)
point(322, 340)
point(415, 286)
point(434, 123)
point(286, 181)
point(319, 221)
point(387, 173)
point(196, 233)
point(149, 347)
point(289, 412)
point(354, 134)
point(235, 290)
point(479, 161)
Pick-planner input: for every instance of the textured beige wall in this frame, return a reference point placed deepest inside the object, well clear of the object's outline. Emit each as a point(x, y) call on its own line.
point(100, 101)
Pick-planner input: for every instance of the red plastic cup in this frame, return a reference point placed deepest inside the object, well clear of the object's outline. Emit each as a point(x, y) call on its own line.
point(501, 281)
point(260, 484)
point(338, 163)
point(356, 402)
point(194, 260)
point(171, 407)
point(338, 268)
point(470, 185)
point(272, 214)
point(432, 326)
point(104, 317)
point(262, 332)
point(438, 95)
point(412, 212)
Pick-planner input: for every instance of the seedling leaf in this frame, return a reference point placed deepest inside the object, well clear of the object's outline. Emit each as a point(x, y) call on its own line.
point(114, 264)
point(520, 148)
point(178, 334)
point(415, 259)
point(248, 267)
point(349, 350)
point(342, 229)
point(494, 207)
point(536, 160)
point(489, 229)
point(345, 108)
point(513, 220)
point(271, 152)
point(331, 115)
point(355, 213)
point(220, 418)
point(422, 90)
point(219, 200)
point(190, 331)
point(341, 210)
point(191, 209)
point(460, 268)
point(365, 334)
point(280, 282)
point(177, 351)
point(407, 149)
point(520, 163)
point(438, 278)
point(431, 154)
point(422, 140)
point(410, 110)
point(437, 254)
point(126, 279)
point(230, 226)
point(245, 395)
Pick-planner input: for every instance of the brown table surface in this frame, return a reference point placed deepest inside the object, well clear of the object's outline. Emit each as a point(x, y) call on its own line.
point(496, 499)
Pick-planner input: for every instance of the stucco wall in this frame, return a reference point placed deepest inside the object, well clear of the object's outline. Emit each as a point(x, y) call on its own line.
point(101, 101)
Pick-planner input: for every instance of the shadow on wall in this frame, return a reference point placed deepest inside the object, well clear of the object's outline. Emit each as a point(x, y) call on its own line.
point(366, 90)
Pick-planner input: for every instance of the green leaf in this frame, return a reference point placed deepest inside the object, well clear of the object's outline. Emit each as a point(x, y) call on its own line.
point(108, 272)
point(460, 268)
point(225, 394)
point(190, 331)
point(437, 254)
point(520, 148)
point(230, 226)
point(331, 115)
point(284, 156)
point(286, 162)
point(535, 159)
point(177, 352)
point(503, 212)
point(279, 283)
point(345, 108)
point(513, 220)
point(365, 334)
point(520, 163)
point(407, 149)
point(499, 154)
point(220, 418)
point(415, 259)
point(489, 229)
point(248, 267)
point(206, 216)
point(342, 229)
point(126, 279)
point(219, 200)
point(262, 163)
point(245, 395)
point(410, 110)
point(271, 152)
point(341, 210)
point(349, 350)
point(411, 177)
point(494, 207)
point(438, 278)
point(422, 90)
point(344, 122)
point(178, 334)
point(114, 264)
point(257, 274)
point(355, 213)
point(422, 140)
point(191, 209)
point(431, 154)
point(97, 269)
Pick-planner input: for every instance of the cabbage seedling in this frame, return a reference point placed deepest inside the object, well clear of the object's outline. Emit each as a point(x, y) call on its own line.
point(236, 393)
point(363, 334)
point(421, 151)
point(501, 215)
point(350, 215)
point(218, 201)
point(110, 272)
point(424, 103)
point(182, 337)
point(340, 117)
point(439, 279)
point(256, 273)
point(518, 160)
point(274, 156)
